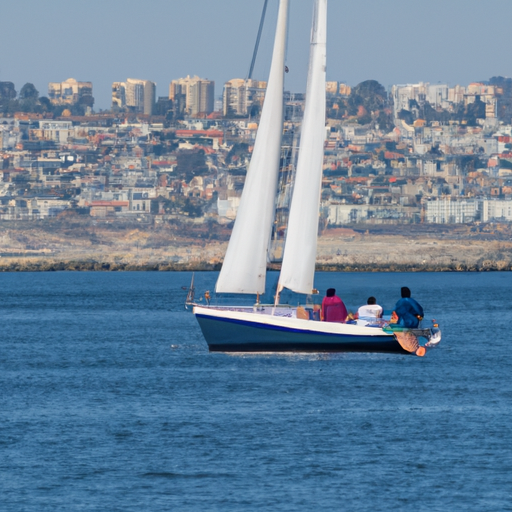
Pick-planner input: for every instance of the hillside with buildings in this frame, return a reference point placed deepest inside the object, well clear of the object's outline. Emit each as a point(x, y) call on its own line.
point(159, 179)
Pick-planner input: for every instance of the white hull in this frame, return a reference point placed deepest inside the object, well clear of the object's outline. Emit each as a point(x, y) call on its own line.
point(244, 329)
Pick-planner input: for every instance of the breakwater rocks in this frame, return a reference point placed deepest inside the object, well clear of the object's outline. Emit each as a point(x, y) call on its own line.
point(99, 266)
point(484, 266)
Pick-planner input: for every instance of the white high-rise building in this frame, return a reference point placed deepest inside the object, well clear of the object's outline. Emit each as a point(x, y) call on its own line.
point(451, 211)
point(70, 92)
point(496, 209)
point(438, 95)
point(240, 95)
point(198, 94)
point(135, 95)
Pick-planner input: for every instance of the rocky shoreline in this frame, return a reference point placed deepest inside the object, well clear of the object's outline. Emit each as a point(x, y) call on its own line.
point(86, 246)
point(197, 266)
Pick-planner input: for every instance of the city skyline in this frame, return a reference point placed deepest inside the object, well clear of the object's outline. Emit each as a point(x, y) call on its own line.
point(455, 43)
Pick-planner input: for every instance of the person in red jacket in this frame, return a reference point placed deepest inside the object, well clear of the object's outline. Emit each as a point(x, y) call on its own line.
point(333, 309)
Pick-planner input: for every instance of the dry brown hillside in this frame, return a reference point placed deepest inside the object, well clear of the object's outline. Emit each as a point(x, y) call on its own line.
point(85, 243)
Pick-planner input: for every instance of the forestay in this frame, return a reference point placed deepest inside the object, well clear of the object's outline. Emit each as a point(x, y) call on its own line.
point(244, 267)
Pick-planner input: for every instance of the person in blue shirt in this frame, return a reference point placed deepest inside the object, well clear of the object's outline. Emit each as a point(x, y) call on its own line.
point(408, 311)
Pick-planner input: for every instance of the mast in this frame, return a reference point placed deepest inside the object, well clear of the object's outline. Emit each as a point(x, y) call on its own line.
point(245, 263)
point(298, 268)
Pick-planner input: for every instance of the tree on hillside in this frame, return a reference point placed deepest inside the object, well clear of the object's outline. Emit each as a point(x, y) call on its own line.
point(7, 91)
point(28, 98)
point(406, 116)
point(385, 121)
point(505, 164)
point(191, 163)
point(474, 111)
point(469, 163)
point(28, 92)
point(192, 207)
point(367, 100)
point(8, 103)
point(238, 150)
point(46, 104)
point(370, 94)
point(504, 97)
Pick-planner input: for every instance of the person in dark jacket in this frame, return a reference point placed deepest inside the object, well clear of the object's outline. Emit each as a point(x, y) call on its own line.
point(333, 308)
point(408, 311)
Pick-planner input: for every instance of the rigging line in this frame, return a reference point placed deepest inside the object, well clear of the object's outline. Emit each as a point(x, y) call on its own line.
point(260, 29)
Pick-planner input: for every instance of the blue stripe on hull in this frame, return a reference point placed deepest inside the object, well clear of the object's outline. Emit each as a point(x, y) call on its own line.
point(230, 335)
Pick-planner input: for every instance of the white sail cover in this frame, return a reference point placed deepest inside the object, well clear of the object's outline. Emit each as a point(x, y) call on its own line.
point(298, 268)
point(244, 267)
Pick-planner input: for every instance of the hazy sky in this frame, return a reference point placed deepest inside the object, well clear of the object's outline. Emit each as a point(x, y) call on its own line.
point(396, 41)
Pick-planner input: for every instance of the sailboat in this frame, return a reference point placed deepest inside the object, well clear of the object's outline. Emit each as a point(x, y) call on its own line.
point(277, 327)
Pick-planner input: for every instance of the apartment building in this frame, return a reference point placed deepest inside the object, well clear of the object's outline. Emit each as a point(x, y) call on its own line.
point(58, 131)
point(487, 94)
point(240, 95)
point(70, 92)
point(118, 95)
point(448, 210)
point(198, 94)
point(138, 96)
point(340, 88)
point(331, 87)
point(496, 209)
point(438, 95)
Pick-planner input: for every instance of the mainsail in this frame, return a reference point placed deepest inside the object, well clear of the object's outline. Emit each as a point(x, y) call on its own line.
point(245, 263)
point(298, 267)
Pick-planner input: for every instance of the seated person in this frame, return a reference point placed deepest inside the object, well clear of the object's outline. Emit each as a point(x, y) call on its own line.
point(408, 312)
point(333, 308)
point(368, 313)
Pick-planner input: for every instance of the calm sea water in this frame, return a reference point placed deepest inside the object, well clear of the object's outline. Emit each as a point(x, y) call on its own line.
point(109, 400)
